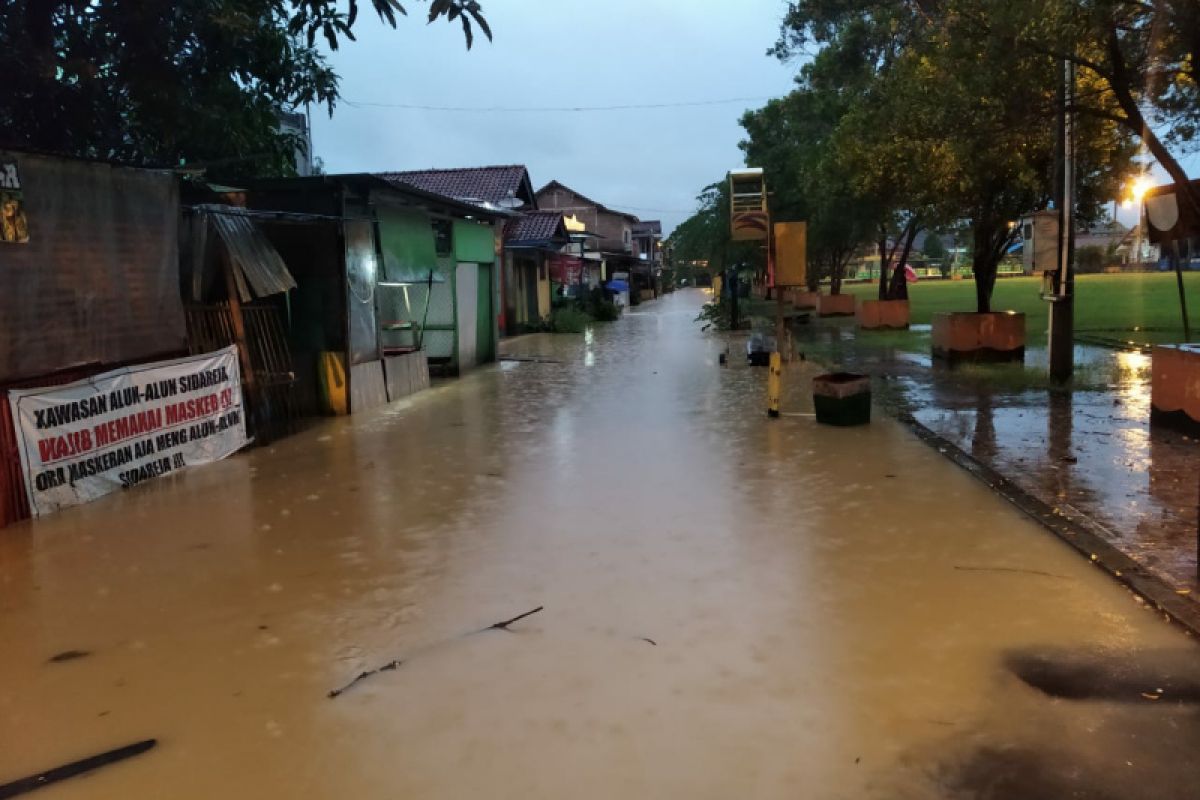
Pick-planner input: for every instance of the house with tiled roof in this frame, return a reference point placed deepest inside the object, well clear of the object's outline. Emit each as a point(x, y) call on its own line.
point(507, 186)
point(616, 251)
point(533, 240)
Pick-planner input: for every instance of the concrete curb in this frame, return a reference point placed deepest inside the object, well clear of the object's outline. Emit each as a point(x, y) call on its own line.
point(1084, 536)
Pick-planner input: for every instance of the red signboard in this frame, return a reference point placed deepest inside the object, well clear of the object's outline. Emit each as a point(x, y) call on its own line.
point(565, 269)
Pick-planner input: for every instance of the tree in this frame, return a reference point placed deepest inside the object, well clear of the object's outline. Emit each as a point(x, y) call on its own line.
point(934, 248)
point(1140, 60)
point(706, 236)
point(950, 95)
point(177, 82)
point(881, 181)
point(792, 139)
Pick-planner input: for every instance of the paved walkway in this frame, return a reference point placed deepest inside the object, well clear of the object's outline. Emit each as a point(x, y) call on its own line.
point(830, 613)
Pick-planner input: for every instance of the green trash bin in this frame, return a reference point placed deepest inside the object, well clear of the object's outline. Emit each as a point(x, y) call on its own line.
point(842, 398)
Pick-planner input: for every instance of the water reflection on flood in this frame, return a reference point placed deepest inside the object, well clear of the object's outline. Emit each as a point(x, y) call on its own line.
point(834, 610)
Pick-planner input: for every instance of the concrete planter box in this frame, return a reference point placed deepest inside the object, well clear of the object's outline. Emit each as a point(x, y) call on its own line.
point(997, 336)
point(802, 298)
point(883, 314)
point(835, 305)
point(1175, 387)
point(842, 398)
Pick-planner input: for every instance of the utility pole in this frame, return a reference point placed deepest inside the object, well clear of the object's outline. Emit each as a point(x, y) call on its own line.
point(1062, 302)
point(733, 297)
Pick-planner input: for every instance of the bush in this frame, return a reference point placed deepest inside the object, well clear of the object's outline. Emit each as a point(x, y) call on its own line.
point(715, 314)
point(600, 308)
point(1089, 260)
point(569, 319)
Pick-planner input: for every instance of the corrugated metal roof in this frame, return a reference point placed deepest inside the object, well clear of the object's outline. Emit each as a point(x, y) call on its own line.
point(260, 267)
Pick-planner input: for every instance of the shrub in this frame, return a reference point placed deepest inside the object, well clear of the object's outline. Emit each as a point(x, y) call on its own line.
point(569, 319)
point(1089, 259)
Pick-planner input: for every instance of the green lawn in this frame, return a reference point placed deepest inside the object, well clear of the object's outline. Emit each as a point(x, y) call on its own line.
point(1141, 307)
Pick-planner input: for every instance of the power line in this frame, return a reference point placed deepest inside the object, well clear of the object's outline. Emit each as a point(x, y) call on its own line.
point(553, 109)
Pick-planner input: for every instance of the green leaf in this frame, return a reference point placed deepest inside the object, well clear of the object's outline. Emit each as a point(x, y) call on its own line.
point(477, 13)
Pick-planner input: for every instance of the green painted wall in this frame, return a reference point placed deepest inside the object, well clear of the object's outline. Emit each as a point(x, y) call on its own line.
point(474, 242)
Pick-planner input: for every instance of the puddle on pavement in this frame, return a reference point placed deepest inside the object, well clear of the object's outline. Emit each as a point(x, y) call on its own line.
point(815, 634)
point(1089, 451)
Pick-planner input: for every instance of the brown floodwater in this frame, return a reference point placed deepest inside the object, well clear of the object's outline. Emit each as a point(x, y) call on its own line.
point(835, 613)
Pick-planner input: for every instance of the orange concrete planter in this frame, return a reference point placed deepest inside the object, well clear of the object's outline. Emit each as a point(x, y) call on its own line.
point(835, 305)
point(1175, 386)
point(802, 298)
point(883, 314)
point(970, 336)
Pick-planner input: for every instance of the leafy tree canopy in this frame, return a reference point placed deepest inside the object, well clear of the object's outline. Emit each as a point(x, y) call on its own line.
point(940, 119)
point(171, 82)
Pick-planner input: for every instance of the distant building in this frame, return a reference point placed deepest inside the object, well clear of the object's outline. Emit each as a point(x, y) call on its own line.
point(296, 123)
point(504, 187)
point(533, 241)
point(612, 236)
point(647, 242)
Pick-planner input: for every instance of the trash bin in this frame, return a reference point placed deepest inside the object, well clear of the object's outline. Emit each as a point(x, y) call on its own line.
point(842, 398)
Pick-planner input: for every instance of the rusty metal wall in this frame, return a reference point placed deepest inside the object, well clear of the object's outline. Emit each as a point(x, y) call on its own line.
point(98, 280)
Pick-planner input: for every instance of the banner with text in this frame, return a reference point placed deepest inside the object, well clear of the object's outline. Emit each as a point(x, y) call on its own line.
point(117, 429)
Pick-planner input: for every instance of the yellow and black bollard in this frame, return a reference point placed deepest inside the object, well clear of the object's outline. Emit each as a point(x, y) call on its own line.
point(774, 379)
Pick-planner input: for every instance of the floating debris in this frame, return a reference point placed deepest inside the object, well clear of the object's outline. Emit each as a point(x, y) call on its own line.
point(391, 665)
point(75, 768)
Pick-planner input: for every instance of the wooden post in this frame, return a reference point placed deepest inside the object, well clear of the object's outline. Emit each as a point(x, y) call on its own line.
point(780, 328)
point(1187, 328)
point(239, 324)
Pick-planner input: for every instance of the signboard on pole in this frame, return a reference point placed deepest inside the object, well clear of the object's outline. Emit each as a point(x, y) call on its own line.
point(83, 440)
point(791, 253)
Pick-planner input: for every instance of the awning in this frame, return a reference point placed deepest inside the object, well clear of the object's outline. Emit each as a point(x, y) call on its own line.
point(260, 269)
point(409, 249)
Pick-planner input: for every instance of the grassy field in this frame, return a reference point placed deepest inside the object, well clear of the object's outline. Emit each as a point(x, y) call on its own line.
point(1140, 307)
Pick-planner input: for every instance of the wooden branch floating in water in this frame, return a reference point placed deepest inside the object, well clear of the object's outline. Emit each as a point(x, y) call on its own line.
point(503, 626)
point(391, 665)
point(23, 785)
point(1012, 569)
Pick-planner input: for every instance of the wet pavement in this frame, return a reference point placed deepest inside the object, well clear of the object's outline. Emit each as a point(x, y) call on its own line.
point(1089, 451)
point(832, 613)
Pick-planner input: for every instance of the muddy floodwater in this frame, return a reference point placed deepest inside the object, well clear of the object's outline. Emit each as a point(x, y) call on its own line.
point(734, 607)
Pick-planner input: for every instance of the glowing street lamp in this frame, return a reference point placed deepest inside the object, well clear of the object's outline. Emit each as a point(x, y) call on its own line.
point(1137, 192)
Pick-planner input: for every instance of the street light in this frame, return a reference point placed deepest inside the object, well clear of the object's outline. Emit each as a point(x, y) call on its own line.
point(1137, 192)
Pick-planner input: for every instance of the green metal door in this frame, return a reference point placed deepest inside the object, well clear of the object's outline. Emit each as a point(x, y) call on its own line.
point(485, 350)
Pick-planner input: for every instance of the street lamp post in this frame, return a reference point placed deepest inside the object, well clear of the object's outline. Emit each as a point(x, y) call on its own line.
point(1062, 301)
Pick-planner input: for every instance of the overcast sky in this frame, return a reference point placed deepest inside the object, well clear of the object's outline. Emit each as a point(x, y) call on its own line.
point(557, 53)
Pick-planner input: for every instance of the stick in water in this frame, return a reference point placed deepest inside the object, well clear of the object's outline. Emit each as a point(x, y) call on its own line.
point(503, 626)
point(391, 665)
point(19, 787)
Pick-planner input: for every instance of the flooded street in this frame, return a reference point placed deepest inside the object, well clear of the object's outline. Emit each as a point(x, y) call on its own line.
point(1090, 451)
point(831, 613)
